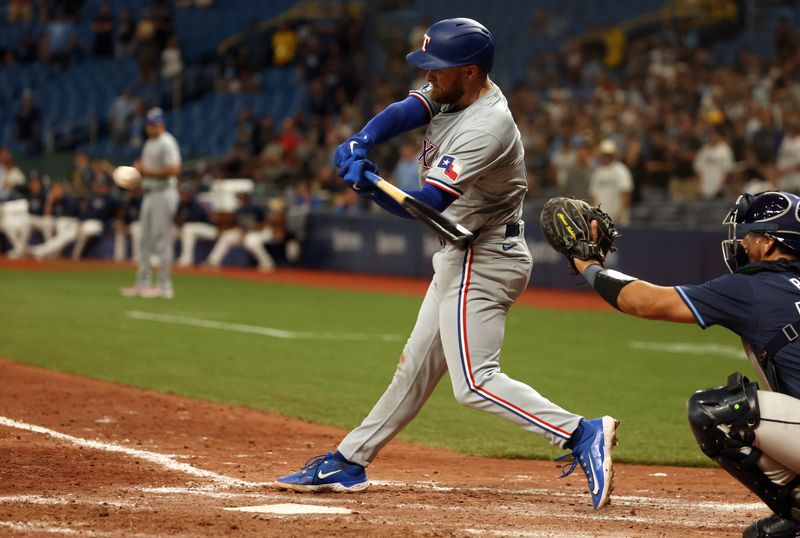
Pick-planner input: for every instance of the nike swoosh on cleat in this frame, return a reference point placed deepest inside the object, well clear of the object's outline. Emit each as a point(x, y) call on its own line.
point(507, 247)
point(594, 480)
point(323, 476)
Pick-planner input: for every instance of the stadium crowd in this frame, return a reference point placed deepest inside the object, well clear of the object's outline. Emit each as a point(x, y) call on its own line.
point(606, 118)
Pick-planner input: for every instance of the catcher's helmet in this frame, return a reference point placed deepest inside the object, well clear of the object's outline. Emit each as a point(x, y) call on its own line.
point(775, 214)
point(454, 42)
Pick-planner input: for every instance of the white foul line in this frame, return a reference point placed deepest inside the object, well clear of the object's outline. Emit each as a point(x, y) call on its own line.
point(690, 349)
point(255, 329)
point(152, 457)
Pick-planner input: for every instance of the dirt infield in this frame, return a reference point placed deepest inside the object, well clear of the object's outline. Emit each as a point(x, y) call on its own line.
point(91, 458)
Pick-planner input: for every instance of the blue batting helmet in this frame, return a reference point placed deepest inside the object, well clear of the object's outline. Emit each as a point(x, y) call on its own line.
point(775, 214)
point(454, 42)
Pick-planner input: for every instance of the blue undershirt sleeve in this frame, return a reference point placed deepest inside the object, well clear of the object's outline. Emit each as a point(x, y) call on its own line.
point(397, 118)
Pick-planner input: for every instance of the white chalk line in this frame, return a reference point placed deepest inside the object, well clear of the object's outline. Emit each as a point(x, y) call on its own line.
point(687, 348)
point(146, 455)
point(39, 499)
point(255, 329)
point(44, 527)
point(229, 482)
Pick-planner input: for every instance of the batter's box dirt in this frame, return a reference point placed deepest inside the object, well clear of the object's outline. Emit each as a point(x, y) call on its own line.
point(90, 458)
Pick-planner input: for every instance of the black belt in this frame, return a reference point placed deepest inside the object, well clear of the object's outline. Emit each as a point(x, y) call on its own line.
point(512, 230)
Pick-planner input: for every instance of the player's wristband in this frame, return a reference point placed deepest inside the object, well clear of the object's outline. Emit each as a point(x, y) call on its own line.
point(607, 282)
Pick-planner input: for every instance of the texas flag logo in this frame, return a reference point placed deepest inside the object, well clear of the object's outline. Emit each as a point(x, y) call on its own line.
point(450, 166)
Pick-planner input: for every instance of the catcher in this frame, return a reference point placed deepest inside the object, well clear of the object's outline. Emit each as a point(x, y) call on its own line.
point(753, 433)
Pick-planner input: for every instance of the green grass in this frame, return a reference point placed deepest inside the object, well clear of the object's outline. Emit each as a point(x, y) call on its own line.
point(75, 322)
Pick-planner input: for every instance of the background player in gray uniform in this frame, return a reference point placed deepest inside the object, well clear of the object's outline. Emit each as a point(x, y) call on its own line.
point(160, 165)
point(753, 434)
point(472, 164)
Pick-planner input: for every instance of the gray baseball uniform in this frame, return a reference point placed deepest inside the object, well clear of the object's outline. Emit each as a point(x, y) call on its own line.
point(159, 203)
point(476, 155)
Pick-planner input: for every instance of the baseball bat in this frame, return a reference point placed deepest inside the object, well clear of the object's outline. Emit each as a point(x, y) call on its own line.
point(451, 232)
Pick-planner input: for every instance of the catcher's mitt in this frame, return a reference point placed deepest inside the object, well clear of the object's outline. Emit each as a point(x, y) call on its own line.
point(566, 224)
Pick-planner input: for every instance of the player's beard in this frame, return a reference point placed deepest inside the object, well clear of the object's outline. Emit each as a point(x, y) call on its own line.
point(447, 97)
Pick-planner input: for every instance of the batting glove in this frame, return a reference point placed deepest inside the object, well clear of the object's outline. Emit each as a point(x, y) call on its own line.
point(353, 149)
point(356, 178)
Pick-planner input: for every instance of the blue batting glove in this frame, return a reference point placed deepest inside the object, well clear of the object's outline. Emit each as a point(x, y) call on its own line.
point(353, 149)
point(356, 178)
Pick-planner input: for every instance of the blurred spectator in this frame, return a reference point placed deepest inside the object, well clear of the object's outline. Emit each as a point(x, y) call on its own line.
point(103, 31)
point(28, 124)
point(563, 157)
point(20, 11)
point(265, 133)
point(165, 26)
point(611, 184)
point(658, 168)
point(62, 208)
point(713, 163)
point(147, 49)
point(284, 45)
point(788, 163)
point(406, 172)
point(252, 230)
point(634, 158)
point(60, 44)
point(95, 214)
point(615, 43)
point(12, 179)
point(119, 117)
point(290, 137)
point(172, 68)
point(27, 49)
point(254, 45)
point(193, 223)
point(682, 150)
point(127, 225)
point(556, 23)
point(138, 120)
point(578, 173)
point(125, 33)
point(784, 43)
point(764, 137)
point(36, 194)
point(82, 176)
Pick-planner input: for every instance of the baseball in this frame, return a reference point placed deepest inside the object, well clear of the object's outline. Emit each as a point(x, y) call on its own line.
point(126, 176)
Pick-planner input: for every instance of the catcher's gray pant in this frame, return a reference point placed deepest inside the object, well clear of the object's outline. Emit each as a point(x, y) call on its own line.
point(156, 216)
point(778, 437)
point(460, 328)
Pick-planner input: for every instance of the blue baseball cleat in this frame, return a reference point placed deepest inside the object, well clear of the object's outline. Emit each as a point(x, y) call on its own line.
point(593, 452)
point(326, 473)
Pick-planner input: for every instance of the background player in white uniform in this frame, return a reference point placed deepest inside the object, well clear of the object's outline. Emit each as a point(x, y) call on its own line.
point(160, 165)
point(472, 164)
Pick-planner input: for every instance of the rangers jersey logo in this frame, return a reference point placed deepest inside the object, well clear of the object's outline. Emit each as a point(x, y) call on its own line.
point(428, 153)
point(450, 165)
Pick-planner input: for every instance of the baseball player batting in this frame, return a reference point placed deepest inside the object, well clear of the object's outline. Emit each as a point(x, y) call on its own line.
point(472, 168)
point(160, 165)
point(753, 434)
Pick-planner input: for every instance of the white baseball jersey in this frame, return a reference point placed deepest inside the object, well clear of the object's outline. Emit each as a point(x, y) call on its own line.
point(158, 153)
point(159, 204)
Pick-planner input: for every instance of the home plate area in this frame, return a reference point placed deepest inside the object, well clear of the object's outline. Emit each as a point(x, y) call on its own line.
point(91, 458)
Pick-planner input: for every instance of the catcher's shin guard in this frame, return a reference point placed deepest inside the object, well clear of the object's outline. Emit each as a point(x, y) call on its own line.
point(723, 420)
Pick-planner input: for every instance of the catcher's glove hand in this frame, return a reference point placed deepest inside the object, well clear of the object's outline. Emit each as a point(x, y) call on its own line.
point(567, 225)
